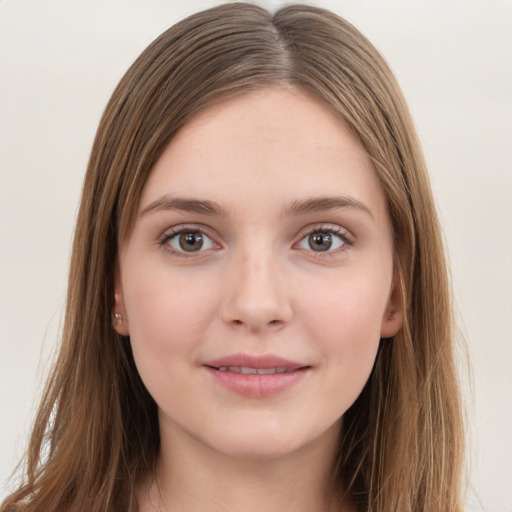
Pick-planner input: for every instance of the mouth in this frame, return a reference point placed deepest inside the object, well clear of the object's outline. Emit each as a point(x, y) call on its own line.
point(246, 370)
point(256, 376)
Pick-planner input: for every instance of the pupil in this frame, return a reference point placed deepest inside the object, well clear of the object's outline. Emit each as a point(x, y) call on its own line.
point(320, 242)
point(191, 242)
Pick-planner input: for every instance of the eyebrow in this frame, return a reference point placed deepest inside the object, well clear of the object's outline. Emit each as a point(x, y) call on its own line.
point(322, 204)
point(298, 207)
point(201, 206)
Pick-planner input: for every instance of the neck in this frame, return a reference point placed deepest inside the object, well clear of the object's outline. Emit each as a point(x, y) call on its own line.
point(191, 476)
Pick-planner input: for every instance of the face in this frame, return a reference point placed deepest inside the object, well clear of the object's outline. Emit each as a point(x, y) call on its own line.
point(258, 278)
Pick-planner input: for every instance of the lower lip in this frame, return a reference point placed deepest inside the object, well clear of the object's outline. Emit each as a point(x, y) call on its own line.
point(259, 386)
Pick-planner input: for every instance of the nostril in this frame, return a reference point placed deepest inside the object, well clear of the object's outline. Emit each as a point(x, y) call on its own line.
point(272, 323)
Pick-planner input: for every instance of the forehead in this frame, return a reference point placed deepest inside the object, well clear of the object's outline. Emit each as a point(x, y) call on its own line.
point(270, 144)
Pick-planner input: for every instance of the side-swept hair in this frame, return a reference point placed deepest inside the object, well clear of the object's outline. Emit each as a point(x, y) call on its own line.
point(96, 433)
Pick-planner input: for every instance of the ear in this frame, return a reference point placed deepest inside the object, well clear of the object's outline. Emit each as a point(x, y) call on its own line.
point(393, 317)
point(119, 318)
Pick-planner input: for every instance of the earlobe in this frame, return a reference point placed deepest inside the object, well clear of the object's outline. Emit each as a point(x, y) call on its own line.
point(393, 317)
point(119, 318)
point(391, 324)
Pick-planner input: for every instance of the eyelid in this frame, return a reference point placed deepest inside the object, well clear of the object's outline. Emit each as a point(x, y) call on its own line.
point(341, 232)
point(174, 231)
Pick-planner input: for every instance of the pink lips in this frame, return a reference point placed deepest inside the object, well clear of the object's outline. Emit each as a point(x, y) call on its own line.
point(256, 376)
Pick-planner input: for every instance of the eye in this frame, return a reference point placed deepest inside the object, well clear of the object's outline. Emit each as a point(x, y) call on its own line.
point(189, 240)
point(322, 241)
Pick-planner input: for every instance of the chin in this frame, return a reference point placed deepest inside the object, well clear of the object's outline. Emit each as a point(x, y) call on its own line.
point(260, 450)
point(266, 444)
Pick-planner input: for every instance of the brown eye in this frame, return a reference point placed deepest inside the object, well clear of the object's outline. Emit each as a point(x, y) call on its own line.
point(191, 241)
point(325, 240)
point(320, 241)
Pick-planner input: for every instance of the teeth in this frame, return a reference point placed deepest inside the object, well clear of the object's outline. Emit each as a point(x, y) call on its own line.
point(248, 371)
point(253, 371)
point(266, 371)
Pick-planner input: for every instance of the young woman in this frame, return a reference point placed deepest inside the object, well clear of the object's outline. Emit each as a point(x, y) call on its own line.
point(258, 310)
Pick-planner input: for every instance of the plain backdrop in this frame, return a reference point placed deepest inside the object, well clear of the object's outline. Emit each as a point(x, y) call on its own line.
point(59, 62)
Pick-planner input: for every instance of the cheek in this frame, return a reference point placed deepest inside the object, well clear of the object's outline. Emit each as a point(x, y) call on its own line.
point(350, 308)
point(167, 315)
point(346, 323)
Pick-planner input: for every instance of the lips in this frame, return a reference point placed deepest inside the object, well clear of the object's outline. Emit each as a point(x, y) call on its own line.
point(253, 371)
point(256, 376)
point(259, 362)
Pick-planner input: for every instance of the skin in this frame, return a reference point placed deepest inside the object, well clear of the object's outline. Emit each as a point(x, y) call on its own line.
point(259, 285)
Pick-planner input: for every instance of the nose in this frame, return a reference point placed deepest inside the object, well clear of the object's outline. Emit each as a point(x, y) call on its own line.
point(256, 295)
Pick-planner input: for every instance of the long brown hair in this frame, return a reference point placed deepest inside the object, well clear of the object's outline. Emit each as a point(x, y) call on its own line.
point(96, 433)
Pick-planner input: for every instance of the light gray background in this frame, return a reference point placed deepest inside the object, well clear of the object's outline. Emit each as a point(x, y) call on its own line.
point(59, 62)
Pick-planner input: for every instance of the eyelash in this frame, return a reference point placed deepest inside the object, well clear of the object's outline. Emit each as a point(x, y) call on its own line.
point(168, 236)
point(334, 231)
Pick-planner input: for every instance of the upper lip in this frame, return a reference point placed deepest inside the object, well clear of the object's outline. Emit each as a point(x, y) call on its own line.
point(250, 361)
